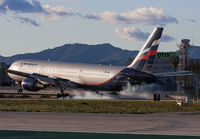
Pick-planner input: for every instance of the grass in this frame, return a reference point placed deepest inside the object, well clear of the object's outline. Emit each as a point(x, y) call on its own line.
point(95, 106)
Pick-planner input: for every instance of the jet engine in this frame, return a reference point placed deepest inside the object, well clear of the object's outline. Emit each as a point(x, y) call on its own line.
point(32, 84)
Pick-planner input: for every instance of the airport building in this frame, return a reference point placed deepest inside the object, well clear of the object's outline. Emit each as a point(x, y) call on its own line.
point(162, 62)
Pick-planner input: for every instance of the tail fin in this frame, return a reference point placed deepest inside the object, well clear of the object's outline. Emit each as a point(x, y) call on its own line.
point(148, 52)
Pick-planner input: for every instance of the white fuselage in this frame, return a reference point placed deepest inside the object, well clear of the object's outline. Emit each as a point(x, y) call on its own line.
point(79, 73)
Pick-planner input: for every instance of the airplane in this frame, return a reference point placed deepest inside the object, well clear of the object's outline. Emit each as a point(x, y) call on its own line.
point(33, 75)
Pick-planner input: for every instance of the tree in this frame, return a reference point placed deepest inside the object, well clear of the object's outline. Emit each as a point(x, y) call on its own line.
point(174, 60)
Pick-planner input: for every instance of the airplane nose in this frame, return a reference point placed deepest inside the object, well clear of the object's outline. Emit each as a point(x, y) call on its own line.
point(9, 72)
point(8, 69)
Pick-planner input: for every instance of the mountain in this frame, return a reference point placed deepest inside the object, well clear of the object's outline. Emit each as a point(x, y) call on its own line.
point(104, 54)
point(194, 52)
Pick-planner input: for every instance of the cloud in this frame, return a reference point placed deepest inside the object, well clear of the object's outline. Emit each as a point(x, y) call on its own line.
point(132, 34)
point(54, 13)
point(34, 7)
point(152, 16)
point(166, 38)
point(21, 6)
point(192, 20)
point(28, 20)
point(137, 35)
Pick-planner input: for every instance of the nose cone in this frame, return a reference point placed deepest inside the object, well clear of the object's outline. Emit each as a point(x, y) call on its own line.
point(13, 67)
point(9, 70)
point(14, 72)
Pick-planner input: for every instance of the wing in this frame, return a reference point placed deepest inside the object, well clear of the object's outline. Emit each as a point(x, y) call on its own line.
point(173, 74)
point(45, 79)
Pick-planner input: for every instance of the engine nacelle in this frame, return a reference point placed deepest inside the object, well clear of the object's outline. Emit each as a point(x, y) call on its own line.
point(32, 84)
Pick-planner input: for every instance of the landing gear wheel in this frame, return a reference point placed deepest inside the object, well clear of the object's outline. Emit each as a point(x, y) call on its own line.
point(19, 88)
point(63, 96)
point(58, 95)
point(156, 97)
point(97, 92)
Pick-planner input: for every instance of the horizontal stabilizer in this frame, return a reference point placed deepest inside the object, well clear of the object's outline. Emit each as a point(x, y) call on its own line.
point(173, 74)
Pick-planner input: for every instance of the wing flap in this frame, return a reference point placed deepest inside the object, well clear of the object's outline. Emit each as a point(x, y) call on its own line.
point(42, 78)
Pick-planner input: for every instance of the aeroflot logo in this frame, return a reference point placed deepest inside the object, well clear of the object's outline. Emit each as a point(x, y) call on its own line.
point(27, 64)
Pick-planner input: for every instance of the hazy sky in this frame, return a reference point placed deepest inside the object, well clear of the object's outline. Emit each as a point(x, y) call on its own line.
point(34, 25)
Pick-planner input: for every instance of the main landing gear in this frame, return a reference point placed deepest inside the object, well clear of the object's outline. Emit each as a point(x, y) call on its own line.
point(19, 87)
point(62, 94)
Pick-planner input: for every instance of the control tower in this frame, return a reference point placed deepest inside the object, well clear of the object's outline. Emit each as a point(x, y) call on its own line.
point(183, 58)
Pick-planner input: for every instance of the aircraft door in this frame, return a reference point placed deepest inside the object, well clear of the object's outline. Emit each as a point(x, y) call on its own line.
point(41, 69)
point(80, 74)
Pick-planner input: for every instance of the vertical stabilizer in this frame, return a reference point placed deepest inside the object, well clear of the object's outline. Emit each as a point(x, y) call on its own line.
point(148, 53)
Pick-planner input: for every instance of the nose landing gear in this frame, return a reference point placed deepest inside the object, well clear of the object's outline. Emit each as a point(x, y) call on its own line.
point(19, 87)
point(156, 97)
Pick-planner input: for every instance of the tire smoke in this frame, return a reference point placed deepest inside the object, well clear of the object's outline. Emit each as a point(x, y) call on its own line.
point(82, 94)
point(144, 91)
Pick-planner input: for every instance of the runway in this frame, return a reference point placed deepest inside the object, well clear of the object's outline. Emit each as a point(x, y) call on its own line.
point(156, 124)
